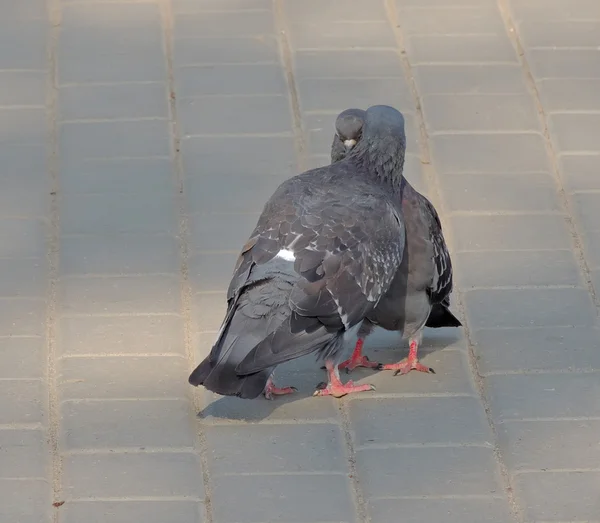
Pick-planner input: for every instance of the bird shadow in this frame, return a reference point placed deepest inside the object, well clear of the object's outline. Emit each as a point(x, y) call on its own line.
point(443, 349)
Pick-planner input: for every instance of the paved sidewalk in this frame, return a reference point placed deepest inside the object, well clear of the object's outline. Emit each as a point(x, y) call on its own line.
point(138, 142)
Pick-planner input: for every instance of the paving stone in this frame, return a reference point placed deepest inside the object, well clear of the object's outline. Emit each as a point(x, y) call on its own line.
point(334, 10)
point(25, 203)
point(338, 94)
point(323, 33)
point(551, 444)
point(25, 401)
point(22, 358)
point(473, 112)
point(26, 501)
point(575, 132)
point(208, 310)
point(470, 79)
point(516, 268)
point(23, 278)
point(564, 63)
point(23, 454)
point(118, 254)
point(153, 334)
point(236, 50)
point(529, 308)
point(544, 349)
point(132, 474)
point(150, 423)
point(563, 33)
point(142, 176)
point(88, 102)
point(23, 45)
point(239, 155)
point(569, 94)
point(211, 271)
point(579, 172)
point(587, 212)
point(570, 395)
point(120, 295)
point(114, 139)
point(230, 80)
point(487, 153)
point(447, 20)
point(198, 6)
point(22, 126)
point(556, 10)
point(224, 24)
point(235, 115)
point(25, 10)
point(423, 49)
point(115, 377)
point(256, 449)
point(439, 3)
point(293, 498)
point(428, 471)
point(559, 496)
point(221, 232)
point(24, 169)
point(500, 192)
point(486, 510)
point(348, 64)
point(508, 232)
point(22, 87)
point(416, 421)
point(231, 193)
point(22, 317)
point(150, 511)
point(149, 212)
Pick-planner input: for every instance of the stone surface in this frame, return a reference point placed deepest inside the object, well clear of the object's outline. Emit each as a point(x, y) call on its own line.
point(138, 144)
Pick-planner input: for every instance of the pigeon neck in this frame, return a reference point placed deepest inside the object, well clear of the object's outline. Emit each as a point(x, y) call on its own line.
point(387, 168)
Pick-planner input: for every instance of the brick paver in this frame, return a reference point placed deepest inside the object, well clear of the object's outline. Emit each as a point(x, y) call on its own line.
point(138, 143)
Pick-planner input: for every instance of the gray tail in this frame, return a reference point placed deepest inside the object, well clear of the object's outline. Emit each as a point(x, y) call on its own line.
point(441, 316)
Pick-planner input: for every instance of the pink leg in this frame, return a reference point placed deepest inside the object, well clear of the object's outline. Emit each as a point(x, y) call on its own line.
point(334, 387)
point(407, 364)
point(271, 390)
point(357, 359)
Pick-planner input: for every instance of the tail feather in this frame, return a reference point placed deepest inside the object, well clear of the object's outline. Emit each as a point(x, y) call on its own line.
point(441, 316)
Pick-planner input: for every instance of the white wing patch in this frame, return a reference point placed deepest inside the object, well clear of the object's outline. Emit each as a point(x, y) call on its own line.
point(286, 254)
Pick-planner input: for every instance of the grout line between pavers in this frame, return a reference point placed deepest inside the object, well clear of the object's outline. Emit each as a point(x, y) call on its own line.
point(53, 10)
point(186, 290)
point(553, 156)
point(302, 154)
point(434, 192)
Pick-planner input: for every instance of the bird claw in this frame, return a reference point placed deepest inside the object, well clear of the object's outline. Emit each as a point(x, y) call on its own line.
point(353, 363)
point(338, 391)
point(405, 366)
point(271, 391)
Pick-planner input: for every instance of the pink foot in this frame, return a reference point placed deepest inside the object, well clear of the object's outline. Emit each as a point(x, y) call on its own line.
point(353, 363)
point(334, 387)
point(357, 360)
point(341, 389)
point(405, 366)
point(271, 390)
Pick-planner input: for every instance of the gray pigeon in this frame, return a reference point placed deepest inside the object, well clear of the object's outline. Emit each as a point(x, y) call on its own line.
point(324, 252)
point(424, 282)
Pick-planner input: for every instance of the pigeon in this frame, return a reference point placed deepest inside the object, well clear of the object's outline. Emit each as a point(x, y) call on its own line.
point(324, 252)
point(428, 273)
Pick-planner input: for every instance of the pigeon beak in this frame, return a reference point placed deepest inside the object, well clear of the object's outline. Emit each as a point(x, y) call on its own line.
point(349, 143)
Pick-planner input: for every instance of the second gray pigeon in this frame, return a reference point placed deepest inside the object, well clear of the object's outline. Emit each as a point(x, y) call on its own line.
point(420, 294)
point(324, 252)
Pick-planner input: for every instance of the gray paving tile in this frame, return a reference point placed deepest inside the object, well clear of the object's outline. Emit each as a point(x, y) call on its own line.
point(22, 126)
point(224, 24)
point(563, 33)
point(23, 454)
point(135, 474)
point(23, 401)
point(347, 64)
point(23, 45)
point(22, 317)
point(23, 87)
point(236, 50)
point(150, 423)
point(542, 348)
point(211, 271)
point(22, 358)
point(295, 498)
point(198, 6)
point(24, 278)
point(574, 132)
point(481, 18)
point(150, 511)
point(579, 172)
point(322, 33)
point(569, 94)
point(564, 63)
point(26, 501)
point(103, 335)
point(255, 449)
point(221, 232)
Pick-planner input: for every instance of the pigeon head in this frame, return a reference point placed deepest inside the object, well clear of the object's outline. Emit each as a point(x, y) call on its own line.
point(348, 130)
point(382, 143)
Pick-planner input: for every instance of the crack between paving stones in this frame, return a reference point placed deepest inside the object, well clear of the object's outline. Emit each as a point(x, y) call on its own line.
point(186, 291)
point(53, 11)
point(434, 194)
point(302, 164)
